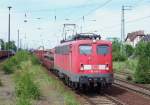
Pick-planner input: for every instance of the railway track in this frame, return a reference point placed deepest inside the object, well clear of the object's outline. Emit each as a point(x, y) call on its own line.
point(124, 73)
point(99, 99)
point(123, 78)
point(132, 87)
point(125, 90)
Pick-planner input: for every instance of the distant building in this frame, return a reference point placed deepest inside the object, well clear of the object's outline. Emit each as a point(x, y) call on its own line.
point(146, 38)
point(134, 37)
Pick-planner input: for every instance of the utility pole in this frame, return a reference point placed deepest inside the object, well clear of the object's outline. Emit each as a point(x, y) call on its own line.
point(18, 40)
point(20, 43)
point(123, 24)
point(9, 30)
point(123, 21)
point(25, 37)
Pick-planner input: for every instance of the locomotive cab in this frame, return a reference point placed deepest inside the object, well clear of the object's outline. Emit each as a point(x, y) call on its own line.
point(95, 63)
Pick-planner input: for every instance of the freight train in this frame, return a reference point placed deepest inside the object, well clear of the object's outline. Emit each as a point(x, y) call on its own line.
point(5, 53)
point(83, 61)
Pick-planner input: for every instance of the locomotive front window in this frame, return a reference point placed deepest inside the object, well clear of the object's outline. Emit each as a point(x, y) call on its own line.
point(102, 49)
point(85, 49)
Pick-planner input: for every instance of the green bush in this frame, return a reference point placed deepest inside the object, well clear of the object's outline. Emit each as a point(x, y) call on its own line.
point(14, 62)
point(119, 57)
point(22, 100)
point(129, 50)
point(34, 60)
point(22, 55)
point(131, 64)
point(142, 73)
point(8, 67)
point(26, 87)
point(1, 83)
point(117, 53)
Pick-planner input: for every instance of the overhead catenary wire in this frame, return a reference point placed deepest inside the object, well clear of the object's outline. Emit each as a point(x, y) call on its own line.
point(128, 22)
point(93, 10)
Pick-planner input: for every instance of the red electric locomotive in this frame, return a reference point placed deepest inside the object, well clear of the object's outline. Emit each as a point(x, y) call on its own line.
point(84, 60)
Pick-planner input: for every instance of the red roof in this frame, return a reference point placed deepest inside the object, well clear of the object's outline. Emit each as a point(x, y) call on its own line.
point(133, 35)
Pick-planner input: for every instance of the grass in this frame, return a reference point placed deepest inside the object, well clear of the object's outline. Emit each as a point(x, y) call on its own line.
point(26, 88)
point(126, 66)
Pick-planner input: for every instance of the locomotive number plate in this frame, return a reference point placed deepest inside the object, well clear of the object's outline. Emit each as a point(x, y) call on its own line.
point(102, 67)
point(87, 67)
point(95, 67)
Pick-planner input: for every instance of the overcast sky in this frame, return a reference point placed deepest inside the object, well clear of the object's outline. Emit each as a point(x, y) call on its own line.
point(42, 29)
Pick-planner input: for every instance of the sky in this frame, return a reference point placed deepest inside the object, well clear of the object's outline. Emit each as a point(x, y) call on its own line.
point(45, 19)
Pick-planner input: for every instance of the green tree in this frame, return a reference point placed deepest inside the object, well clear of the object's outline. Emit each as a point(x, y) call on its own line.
point(140, 48)
point(129, 50)
point(142, 73)
point(11, 45)
point(118, 55)
point(2, 44)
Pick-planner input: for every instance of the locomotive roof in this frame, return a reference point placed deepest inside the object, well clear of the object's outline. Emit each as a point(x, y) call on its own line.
point(86, 42)
point(84, 38)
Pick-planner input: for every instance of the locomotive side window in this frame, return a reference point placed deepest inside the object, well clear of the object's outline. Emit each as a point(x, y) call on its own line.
point(85, 49)
point(102, 49)
point(62, 49)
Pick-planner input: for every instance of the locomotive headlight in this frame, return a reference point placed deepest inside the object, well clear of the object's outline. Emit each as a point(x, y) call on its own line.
point(94, 41)
point(82, 67)
point(86, 67)
point(107, 67)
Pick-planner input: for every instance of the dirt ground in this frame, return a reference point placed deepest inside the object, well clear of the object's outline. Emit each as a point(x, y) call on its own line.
point(7, 91)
